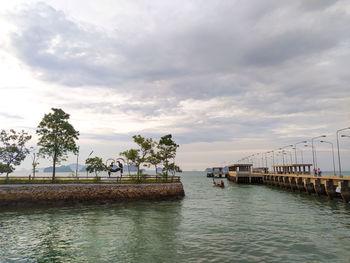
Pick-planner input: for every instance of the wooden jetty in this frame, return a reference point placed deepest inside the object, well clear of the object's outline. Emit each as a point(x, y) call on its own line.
point(294, 177)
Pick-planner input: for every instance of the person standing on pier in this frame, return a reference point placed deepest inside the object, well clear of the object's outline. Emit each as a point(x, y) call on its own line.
point(319, 172)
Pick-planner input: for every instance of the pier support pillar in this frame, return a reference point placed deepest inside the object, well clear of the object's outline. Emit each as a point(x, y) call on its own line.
point(309, 187)
point(300, 184)
point(280, 182)
point(330, 189)
point(293, 184)
point(345, 191)
point(319, 187)
point(286, 182)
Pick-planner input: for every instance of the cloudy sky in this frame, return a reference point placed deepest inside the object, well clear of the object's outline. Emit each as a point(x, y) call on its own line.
point(226, 78)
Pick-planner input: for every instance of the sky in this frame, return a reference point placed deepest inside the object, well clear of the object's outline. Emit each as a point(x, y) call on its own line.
point(226, 78)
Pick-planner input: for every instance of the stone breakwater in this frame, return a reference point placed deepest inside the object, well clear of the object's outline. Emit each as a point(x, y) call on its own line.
point(71, 193)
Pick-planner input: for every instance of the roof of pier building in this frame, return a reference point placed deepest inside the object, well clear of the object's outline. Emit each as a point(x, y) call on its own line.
point(240, 165)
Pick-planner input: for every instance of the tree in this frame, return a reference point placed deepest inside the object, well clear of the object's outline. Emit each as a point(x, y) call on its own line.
point(131, 157)
point(154, 159)
point(95, 165)
point(56, 137)
point(35, 162)
point(145, 147)
point(167, 150)
point(13, 150)
point(174, 168)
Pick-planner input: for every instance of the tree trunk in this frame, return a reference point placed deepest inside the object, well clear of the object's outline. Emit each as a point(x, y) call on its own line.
point(7, 173)
point(138, 172)
point(54, 167)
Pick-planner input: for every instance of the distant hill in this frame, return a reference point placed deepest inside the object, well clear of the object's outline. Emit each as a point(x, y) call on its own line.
point(59, 169)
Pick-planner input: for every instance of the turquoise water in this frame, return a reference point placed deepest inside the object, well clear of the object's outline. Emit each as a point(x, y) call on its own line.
point(240, 223)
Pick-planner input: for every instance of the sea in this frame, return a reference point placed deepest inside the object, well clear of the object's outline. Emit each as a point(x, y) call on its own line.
point(238, 223)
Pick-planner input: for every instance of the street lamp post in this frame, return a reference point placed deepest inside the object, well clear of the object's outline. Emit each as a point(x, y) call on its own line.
point(76, 169)
point(332, 154)
point(302, 155)
point(314, 157)
point(295, 150)
point(337, 133)
point(87, 173)
point(283, 153)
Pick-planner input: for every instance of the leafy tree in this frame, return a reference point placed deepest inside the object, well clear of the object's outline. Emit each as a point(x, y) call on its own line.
point(174, 168)
point(145, 147)
point(154, 159)
point(95, 165)
point(167, 150)
point(13, 150)
point(5, 169)
point(56, 137)
point(131, 157)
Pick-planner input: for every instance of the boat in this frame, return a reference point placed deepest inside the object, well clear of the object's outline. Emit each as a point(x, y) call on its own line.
point(217, 184)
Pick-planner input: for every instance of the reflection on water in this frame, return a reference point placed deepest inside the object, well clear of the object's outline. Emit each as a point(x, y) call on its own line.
point(240, 223)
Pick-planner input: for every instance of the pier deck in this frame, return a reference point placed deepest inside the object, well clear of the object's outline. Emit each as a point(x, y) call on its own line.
point(331, 186)
point(291, 177)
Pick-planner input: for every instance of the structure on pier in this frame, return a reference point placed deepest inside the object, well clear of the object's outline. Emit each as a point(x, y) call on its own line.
point(294, 177)
point(217, 172)
point(262, 170)
point(292, 169)
point(242, 173)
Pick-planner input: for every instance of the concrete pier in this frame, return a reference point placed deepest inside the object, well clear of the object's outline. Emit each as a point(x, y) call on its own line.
point(294, 177)
point(331, 186)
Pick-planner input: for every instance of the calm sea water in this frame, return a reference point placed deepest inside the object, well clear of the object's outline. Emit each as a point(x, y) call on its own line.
point(240, 223)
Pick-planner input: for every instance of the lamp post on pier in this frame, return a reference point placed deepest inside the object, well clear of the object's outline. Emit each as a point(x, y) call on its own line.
point(337, 133)
point(283, 153)
point(87, 173)
point(314, 157)
point(295, 150)
point(302, 155)
point(332, 154)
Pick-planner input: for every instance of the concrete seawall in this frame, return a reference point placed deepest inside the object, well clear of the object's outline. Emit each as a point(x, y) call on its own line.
point(71, 193)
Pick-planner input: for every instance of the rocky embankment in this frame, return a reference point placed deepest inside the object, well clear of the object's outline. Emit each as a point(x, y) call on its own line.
point(71, 193)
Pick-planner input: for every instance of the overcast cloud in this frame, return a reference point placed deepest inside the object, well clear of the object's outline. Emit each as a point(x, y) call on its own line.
point(209, 72)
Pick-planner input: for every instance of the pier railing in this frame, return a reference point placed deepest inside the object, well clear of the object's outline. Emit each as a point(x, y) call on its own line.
point(144, 179)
